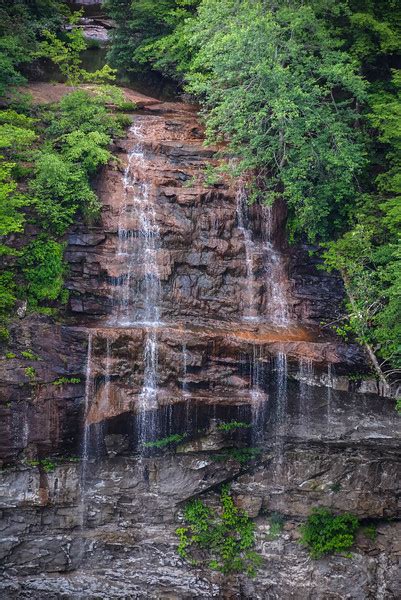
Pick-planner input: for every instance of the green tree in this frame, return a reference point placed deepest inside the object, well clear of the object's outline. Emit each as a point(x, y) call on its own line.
point(21, 23)
point(278, 87)
point(150, 35)
point(66, 54)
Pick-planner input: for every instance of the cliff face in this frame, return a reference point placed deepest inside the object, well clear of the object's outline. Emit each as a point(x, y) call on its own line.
point(187, 308)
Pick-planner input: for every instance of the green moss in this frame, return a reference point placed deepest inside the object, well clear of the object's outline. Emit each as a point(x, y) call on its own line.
point(325, 533)
point(10, 355)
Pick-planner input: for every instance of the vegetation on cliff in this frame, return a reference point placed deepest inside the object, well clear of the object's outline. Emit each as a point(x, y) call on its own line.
point(307, 94)
point(326, 533)
point(49, 155)
point(223, 539)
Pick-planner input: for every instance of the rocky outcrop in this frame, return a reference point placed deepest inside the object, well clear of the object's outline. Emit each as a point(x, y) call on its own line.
point(187, 310)
point(202, 248)
point(119, 542)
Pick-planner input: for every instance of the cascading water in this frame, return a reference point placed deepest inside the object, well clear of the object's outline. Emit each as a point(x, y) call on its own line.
point(185, 358)
point(138, 243)
point(276, 277)
point(258, 397)
point(138, 290)
point(85, 450)
point(281, 372)
point(250, 310)
point(330, 385)
point(278, 311)
point(305, 380)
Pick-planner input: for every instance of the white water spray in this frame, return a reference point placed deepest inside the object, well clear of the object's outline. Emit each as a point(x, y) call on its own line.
point(250, 309)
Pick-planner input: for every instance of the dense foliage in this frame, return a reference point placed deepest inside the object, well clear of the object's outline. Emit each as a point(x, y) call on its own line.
point(70, 141)
point(223, 538)
point(307, 96)
point(325, 533)
point(48, 155)
point(21, 26)
point(150, 34)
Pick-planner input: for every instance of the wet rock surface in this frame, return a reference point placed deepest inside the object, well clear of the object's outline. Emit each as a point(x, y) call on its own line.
point(89, 512)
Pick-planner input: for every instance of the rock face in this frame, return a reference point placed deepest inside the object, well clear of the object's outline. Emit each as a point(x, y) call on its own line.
point(187, 311)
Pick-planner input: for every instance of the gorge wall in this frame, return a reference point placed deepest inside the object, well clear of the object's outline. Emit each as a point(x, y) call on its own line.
point(187, 309)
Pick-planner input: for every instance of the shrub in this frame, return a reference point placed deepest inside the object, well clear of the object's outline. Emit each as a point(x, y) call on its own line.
point(7, 292)
point(81, 111)
point(43, 268)
point(324, 533)
point(225, 538)
point(61, 188)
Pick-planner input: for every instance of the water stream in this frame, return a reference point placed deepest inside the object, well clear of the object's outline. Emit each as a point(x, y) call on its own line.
point(276, 276)
point(138, 290)
point(251, 312)
point(305, 393)
point(281, 372)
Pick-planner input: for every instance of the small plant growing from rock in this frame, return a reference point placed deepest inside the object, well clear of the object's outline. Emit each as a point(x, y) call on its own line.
point(276, 524)
point(47, 464)
point(223, 538)
point(233, 426)
point(30, 372)
point(170, 440)
point(325, 533)
point(10, 355)
point(370, 532)
point(66, 380)
point(241, 455)
point(29, 355)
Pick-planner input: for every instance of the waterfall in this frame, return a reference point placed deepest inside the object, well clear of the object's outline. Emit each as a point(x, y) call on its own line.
point(85, 451)
point(184, 386)
point(148, 396)
point(185, 357)
point(88, 393)
point(138, 305)
point(305, 396)
point(250, 310)
point(138, 247)
point(276, 274)
point(330, 385)
point(281, 371)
